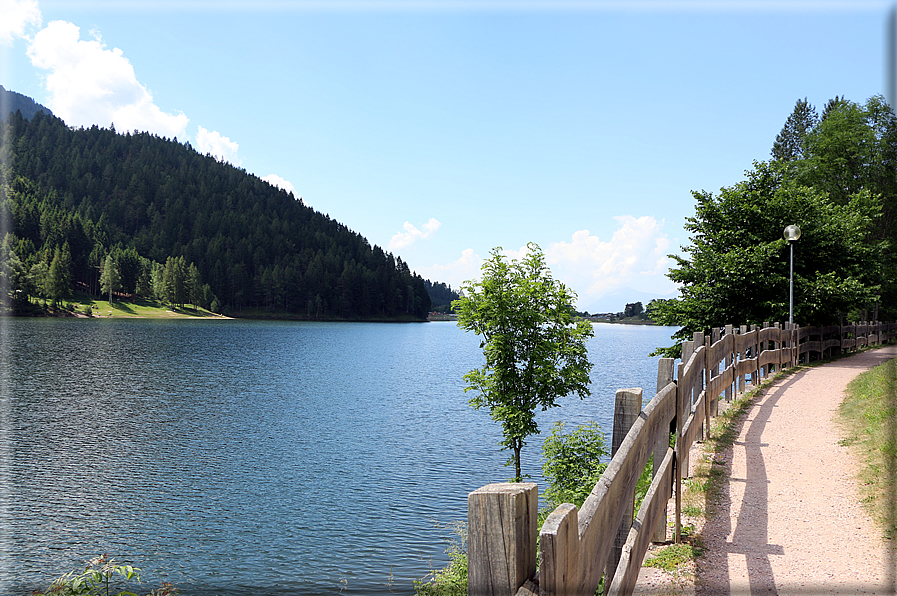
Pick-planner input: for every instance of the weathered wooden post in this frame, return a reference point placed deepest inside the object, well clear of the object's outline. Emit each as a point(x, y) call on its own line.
point(664, 377)
point(713, 403)
point(743, 329)
point(704, 378)
point(729, 362)
point(755, 349)
point(501, 537)
point(626, 410)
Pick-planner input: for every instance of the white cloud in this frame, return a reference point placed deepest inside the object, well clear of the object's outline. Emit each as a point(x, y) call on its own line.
point(89, 84)
point(593, 268)
point(635, 256)
point(275, 180)
point(221, 147)
point(454, 274)
point(412, 234)
point(15, 16)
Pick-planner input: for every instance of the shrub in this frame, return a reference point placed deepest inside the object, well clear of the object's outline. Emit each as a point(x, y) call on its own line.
point(572, 462)
point(95, 580)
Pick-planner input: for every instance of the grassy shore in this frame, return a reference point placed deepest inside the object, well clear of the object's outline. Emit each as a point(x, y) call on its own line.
point(83, 305)
point(869, 416)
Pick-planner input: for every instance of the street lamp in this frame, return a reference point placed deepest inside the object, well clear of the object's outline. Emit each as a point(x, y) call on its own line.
point(792, 235)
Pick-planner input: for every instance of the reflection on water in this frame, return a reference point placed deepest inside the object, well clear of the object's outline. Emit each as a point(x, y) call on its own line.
point(237, 457)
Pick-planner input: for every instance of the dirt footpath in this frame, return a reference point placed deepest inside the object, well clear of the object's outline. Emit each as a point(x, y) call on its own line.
point(789, 519)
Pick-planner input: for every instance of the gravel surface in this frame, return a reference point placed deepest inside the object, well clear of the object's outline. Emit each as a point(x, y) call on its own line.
point(789, 519)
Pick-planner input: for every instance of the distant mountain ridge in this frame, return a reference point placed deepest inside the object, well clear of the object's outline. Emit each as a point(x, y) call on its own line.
point(11, 102)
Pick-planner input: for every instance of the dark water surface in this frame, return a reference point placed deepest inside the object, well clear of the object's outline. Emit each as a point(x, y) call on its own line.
point(245, 457)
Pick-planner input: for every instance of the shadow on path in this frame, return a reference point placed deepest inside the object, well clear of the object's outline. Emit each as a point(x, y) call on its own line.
point(751, 535)
point(746, 548)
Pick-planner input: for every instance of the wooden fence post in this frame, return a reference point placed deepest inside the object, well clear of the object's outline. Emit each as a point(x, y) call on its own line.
point(664, 377)
point(501, 537)
point(743, 329)
point(755, 350)
point(705, 379)
point(626, 410)
point(729, 362)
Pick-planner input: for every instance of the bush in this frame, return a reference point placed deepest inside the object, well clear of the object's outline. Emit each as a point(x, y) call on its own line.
point(572, 462)
point(452, 580)
point(95, 580)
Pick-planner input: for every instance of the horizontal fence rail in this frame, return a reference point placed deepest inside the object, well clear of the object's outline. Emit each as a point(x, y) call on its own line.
point(578, 546)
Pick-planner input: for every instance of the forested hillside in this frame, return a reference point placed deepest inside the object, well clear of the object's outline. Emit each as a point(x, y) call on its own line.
point(12, 102)
point(77, 196)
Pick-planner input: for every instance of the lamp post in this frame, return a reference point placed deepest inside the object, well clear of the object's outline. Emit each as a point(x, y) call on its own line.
point(792, 234)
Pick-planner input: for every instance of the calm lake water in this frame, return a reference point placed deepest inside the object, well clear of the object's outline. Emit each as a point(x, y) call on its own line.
point(245, 457)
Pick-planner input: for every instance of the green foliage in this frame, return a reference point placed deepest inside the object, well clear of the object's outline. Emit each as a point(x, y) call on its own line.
point(834, 176)
point(869, 416)
point(736, 269)
point(669, 558)
point(99, 578)
point(451, 580)
point(633, 310)
point(110, 280)
point(59, 283)
point(789, 144)
point(441, 296)
point(535, 352)
point(572, 463)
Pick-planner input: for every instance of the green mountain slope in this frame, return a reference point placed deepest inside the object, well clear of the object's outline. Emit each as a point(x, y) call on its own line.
point(256, 246)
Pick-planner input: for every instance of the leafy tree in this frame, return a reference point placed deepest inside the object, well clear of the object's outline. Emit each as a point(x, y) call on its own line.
point(12, 271)
point(38, 279)
point(110, 280)
point(157, 280)
point(853, 148)
point(175, 281)
point(736, 269)
point(535, 352)
point(633, 310)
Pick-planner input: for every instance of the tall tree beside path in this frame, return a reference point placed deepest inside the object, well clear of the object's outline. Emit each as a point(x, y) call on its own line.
point(736, 268)
point(535, 352)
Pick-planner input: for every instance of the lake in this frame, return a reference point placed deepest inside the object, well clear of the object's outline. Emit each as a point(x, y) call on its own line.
point(247, 457)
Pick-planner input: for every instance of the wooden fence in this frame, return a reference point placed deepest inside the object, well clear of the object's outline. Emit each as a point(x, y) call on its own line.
point(579, 545)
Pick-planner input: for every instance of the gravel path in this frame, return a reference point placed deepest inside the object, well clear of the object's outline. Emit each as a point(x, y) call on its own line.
point(789, 521)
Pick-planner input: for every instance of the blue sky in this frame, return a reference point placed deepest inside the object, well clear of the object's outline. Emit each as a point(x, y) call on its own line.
point(442, 129)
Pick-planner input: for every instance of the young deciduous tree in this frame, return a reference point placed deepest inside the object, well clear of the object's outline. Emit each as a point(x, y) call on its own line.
point(535, 351)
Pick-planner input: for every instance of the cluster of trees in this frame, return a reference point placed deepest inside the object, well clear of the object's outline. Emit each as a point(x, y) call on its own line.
point(633, 309)
point(145, 199)
point(52, 253)
point(441, 296)
point(835, 176)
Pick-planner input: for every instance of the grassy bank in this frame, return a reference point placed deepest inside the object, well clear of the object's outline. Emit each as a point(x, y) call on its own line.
point(83, 305)
point(869, 417)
